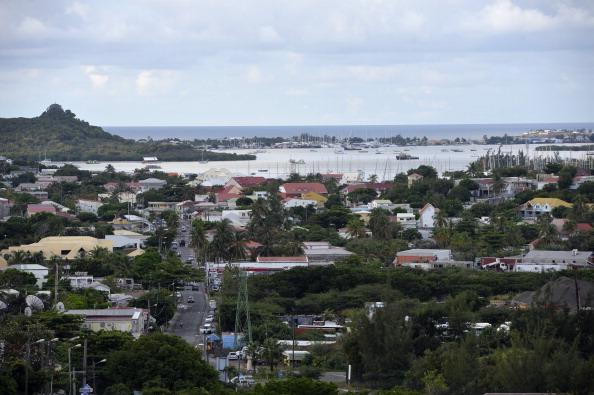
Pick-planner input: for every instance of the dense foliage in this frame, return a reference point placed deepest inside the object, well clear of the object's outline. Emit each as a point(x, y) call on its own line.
point(60, 136)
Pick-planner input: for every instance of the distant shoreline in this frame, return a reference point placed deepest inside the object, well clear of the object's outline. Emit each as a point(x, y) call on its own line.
point(467, 131)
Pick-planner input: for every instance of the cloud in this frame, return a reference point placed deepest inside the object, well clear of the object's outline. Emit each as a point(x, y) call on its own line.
point(98, 80)
point(269, 35)
point(354, 103)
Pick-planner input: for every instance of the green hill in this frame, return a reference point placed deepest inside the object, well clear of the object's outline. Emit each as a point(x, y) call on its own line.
point(60, 136)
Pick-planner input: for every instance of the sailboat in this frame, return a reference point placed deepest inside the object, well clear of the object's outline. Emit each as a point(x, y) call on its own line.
point(202, 160)
point(45, 160)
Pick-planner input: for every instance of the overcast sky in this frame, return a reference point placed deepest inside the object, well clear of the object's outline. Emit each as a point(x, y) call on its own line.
point(304, 62)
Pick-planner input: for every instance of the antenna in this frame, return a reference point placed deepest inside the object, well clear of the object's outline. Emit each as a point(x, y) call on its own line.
point(60, 307)
point(242, 316)
point(3, 306)
point(34, 302)
point(28, 311)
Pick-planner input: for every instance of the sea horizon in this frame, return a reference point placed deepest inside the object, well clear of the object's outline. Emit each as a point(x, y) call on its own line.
point(445, 131)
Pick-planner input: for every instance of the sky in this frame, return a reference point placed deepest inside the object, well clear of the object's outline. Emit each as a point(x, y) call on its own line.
point(306, 62)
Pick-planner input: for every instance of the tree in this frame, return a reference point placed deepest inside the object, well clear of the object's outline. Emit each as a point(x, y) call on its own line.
point(296, 386)
point(272, 352)
point(198, 239)
point(379, 223)
point(160, 360)
point(580, 209)
point(356, 228)
point(474, 169)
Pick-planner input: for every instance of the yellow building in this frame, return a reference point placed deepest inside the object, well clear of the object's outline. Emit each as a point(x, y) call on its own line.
point(67, 247)
point(320, 200)
point(123, 319)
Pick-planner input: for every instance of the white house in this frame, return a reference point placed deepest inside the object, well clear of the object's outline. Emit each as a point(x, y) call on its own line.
point(352, 178)
point(407, 220)
point(427, 216)
point(381, 203)
point(88, 206)
point(299, 203)
point(151, 183)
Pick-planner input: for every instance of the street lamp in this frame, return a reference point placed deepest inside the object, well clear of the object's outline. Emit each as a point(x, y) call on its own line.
point(96, 363)
point(27, 355)
point(49, 362)
point(70, 374)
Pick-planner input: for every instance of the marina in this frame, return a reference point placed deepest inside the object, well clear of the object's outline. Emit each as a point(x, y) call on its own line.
point(279, 163)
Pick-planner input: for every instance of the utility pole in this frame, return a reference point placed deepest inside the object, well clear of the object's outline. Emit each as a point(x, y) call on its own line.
point(84, 381)
point(242, 316)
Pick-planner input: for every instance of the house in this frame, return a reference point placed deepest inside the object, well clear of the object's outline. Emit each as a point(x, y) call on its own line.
point(296, 202)
point(124, 319)
point(319, 199)
point(237, 216)
point(132, 186)
point(538, 206)
point(67, 247)
point(381, 203)
point(321, 252)
point(296, 189)
point(127, 239)
point(352, 178)
point(579, 180)
point(418, 257)
point(39, 271)
point(215, 174)
point(245, 182)
point(79, 280)
point(412, 178)
point(336, 177)
point(407, 220)
point(151, 183)
point(427, 216)
point(561, 222)
point(159, 207)
point(88, 206)
point(549, 180)
point(4, 208)
point(33, 209)
point(539, 260)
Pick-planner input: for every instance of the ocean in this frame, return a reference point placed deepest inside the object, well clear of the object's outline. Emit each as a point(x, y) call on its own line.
point(466, 131)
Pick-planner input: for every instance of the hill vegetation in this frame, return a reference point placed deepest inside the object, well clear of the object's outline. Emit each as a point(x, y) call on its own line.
point(60, 136)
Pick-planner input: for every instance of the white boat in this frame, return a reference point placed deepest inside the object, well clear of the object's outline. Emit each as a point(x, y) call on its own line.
point(150, 159)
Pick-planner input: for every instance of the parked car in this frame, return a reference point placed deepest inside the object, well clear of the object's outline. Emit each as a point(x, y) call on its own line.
point(233, 356)
point(206, 329)
point(183, 229)
point(209, 318)
point(243, 381)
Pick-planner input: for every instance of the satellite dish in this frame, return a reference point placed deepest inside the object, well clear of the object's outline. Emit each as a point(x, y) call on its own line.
point(28, 311)
point(34, 302)
point(59, 306)
point(3, 306)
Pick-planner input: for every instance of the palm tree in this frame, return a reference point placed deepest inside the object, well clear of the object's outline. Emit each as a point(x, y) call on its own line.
point(442, 236)
point(474, 169)
point(570, 226)
point(441, 219)
point(498, 184)
point(379, 223)
point(198, 240)
point(238, 248)
point(373, 179)
point(547, 232)
point(272, 352)
point(16, 257)
point(356, 228)
point(580, 209)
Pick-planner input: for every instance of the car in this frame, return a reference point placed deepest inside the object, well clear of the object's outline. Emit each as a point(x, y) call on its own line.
point(195, 288)
point(243, 381)
point(182, 243)
point(174, 245)
point(206, 331)
point(233, 356)
point(178, 295)
point(190, 299)
point(209, 318)
point(183, 229)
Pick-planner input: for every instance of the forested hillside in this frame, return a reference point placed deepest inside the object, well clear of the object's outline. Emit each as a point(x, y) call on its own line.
point(60, 136)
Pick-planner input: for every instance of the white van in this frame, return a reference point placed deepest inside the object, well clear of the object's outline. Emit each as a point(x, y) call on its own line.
point(174, 245)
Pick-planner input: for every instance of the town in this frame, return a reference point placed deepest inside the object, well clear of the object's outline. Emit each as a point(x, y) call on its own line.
point(477, 282)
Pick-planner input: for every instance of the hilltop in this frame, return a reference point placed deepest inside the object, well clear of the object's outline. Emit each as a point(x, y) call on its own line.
point(58, 135)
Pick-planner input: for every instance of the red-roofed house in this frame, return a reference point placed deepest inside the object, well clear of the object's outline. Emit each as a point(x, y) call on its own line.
point(296, 189)
point(33, 209)
point(332, 177)
point(245, 182)
point(548, 180)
